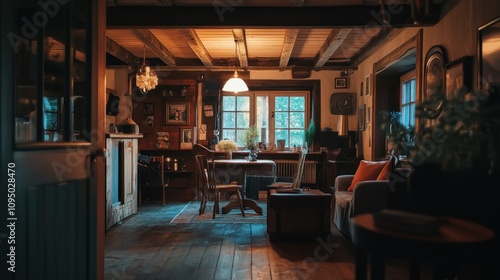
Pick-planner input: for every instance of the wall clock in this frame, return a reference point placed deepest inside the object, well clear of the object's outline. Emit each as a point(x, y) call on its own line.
point(434, 81)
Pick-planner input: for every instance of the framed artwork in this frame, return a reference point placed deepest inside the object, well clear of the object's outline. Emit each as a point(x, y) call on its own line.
point(489, 58)
point(177, 113)
point(434, 80)
point(186, 138)
point(361, 117)
point(341, 82)
point(148, 115)
point(368, 113)
point(459, 76)
point(368, 85)
point(162, 140)
point(361, 88)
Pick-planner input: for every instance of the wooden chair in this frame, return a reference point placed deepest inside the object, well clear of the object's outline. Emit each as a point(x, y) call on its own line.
point(200, 150)
point(154, 177)
point(207, 171)
point(295, 185)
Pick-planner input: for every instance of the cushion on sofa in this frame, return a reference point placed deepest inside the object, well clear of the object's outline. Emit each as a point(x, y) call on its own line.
point(367, 170)
point(388, 169)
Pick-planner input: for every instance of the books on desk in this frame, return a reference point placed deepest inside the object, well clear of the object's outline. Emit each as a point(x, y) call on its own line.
point(408, 222)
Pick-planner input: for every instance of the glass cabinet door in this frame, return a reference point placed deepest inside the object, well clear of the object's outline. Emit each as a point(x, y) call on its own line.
point(52, 44)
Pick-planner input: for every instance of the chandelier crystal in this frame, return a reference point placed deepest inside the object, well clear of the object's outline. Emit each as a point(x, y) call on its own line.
point(146, 79)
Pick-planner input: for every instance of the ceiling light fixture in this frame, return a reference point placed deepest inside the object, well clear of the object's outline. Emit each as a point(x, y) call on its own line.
point(146, 79)
point(235, 84)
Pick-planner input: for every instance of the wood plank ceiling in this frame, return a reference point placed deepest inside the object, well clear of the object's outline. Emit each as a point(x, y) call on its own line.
point(255, 34)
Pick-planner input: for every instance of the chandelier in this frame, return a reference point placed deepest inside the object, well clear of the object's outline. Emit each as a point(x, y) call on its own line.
point(235, 84)
point(146, 79)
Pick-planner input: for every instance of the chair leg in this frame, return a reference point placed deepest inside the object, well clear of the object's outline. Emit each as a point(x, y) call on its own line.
point(241, 203)
point(216, 204)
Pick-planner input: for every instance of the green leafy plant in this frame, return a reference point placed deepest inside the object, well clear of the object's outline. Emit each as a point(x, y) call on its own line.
point(309, 133)
point(250, 137)
point(465, 133)
point(399, 137)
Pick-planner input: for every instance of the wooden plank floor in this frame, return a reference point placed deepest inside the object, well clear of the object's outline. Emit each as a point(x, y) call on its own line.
point(148, 246)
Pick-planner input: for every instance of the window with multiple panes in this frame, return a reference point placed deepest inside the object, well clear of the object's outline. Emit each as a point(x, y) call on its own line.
point(408, 94)
point(276, 114)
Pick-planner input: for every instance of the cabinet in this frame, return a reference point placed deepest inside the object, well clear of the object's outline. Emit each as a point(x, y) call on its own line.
point(121, 176)
point(180, 182)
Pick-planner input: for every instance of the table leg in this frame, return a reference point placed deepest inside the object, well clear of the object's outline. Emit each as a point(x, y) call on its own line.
point(247, 203)
point(361, 263)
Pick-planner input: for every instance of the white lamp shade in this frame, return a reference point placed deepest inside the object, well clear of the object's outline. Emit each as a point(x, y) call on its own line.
point(235, 84)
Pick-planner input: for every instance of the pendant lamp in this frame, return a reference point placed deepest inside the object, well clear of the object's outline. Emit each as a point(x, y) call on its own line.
point(146, 79)
point(235, 84)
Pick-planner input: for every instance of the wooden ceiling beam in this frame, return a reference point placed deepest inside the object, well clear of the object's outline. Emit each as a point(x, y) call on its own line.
point(121, 53)
point(197, 46)
point(227, 16)
point(155, 45)
point(335, 39)
point(241, 47)
point(385, 35)
point(288, 44)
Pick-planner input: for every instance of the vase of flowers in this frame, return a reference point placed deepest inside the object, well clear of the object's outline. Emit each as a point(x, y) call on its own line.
point(227, 146)
point(249, 139)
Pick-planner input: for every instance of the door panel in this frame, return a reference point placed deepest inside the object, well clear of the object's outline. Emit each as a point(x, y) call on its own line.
point(58, 184)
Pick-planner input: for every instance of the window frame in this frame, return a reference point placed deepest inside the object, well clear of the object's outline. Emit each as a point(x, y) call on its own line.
point(272, 94)
point(409, 76)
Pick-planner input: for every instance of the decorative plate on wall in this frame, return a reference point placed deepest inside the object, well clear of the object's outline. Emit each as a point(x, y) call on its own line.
point(434, 80)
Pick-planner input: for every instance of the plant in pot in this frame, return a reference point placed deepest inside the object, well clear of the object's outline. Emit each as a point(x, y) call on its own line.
point(249, 139)
point(227, 146)
point(399, 138)
point(455, 163)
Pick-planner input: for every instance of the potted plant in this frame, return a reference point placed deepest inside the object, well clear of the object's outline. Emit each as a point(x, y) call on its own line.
point(227, 146)
point(455, 163)
point(399, 138)
point(249, 139)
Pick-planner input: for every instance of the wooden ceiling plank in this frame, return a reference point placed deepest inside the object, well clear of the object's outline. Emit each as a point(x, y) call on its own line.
point(197, 46)
point(121, 53)
point(333, 42)
point(385, 35)
point(241, 46)
point(288, 44)
point(155, 45)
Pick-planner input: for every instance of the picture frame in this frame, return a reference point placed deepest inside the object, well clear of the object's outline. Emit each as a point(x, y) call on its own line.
point(341, 82)
point(162, 140)
point(489, 74)
point(458, 76)
point(148, 115)
point(361, 117)
point(368, 83)
point(434, 79)
point(186, 138)
point(177, 113)
point(361, 89)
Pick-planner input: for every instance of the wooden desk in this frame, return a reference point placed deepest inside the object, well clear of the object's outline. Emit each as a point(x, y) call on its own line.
point(235, 170)
point(458, 240)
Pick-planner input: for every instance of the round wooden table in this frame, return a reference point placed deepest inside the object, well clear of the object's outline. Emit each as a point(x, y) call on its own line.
point(457, 241)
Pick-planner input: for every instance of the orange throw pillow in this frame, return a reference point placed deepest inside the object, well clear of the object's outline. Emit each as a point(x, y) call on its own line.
point(388, 168)
point(367, 170)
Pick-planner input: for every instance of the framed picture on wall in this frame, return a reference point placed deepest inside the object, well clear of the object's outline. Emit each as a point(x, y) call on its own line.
point(361, 117)
point(341, 82)
point(489, 58)
point(368, 85)
point(186, 138)
point(177, 113)
point(361, 89)
point(459, 76)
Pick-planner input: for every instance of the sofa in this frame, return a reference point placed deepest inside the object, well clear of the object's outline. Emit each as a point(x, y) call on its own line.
point(364, 196)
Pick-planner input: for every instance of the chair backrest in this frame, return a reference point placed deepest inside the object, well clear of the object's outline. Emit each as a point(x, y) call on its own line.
point(202, 150)
point(155, 171)
point(201, 169)
point(300, 169)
